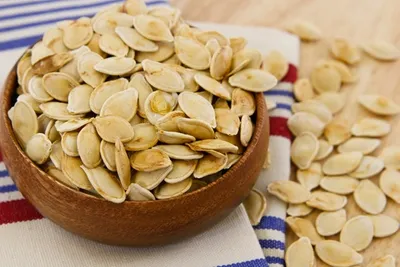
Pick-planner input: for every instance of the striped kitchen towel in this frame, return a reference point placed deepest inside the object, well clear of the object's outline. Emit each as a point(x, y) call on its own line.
point(27, 239)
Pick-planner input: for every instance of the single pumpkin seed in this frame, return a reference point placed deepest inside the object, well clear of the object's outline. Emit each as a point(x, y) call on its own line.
point(77, 33)
point(122, 104)
point(357, 232)
point(158, 104)
point(326, 201)
point(37, 91)
point(297, 210)
point(70, 167)
point(213, 86)
point(384, 225)
point(209, 164)
point(196, 107)
point(53, 39)
point(167, 190)
point(105, 91)
point(369, 127)
point(135, 7)
point(145, 137)
point(107, 152)
point(51, 63)
point(38, 148)
point(228, 123)
point(237, 43)
point(71, 125)
point(337, 132)
point(152, 28)
point(86, 69)
point(212, 46)
point(253, 80)
point(305, 30)
point(303, 150)
point(369, 197)
point(23, 65)
point(162, 77)
point(165, 50)
point(196, 128)
point(169, 122)
point(305, 122)
point(150, 180)
point(325, 78)
point(213, 144)
point(112, 127)
point(368, 167)
point(59, 85)
point(179, 152)
point(150, 160)
point(174, 138)
point(385, 261)
point(56, 154)
point(192, 53)
point(113, 45)
point(380, 105)
point(107, 22)
point(389, 182)
point(40, 51)
point(329, 223)
point(59, 176)
point(137, 193)
point(304, 228)
point(69, 142)
point(345, 51)
point(391, 157)
point(382, 50)
point(276, 64)
point(71, 68)
point(332, 100)
point(89, 146)
point(303, 90)
point(300, 253)
point(25, 123)
point(345, 73)
point(169, 15)
point(221, 62)
point(243, 102)
point(115, 65)
point(342, 163)
point(105, 184)
point(58, 111)
point(338, 254)
point(181, 170)
point(325, 149)
point(255, 204)
point(143, 88)
point(232, 159)
point(78, 99)
point(233, 139)
point(51, 132)
point(342, 185)
point(289, 191)
point(28, 74)
point(359, 144)
point(122, 164)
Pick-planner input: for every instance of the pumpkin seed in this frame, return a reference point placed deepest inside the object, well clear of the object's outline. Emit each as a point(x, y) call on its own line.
point(345, 51)
point(57, 111)
point(212, 86)
point(311, 177)
point(138, 82)
point(255, 204)
point(243, 102)
point(304, 228)
point(86, 69)
point(342, 163)
point(136, 41)
point(204, 36)
point(389, 182)
point(192, 53)
point(300, 253)
point(174, 138)
point(342, 185)
point(158, 104)
point(56, 154)
point(58, 85)
point(25, 122)
point(390, 156)
point(196, 128)
point(150, 160)
point(378, 104)
point(209, 164)
point(69, 142)
point(60, 177)
point(30, 101)
point(94, 45)
point(221, 62)
point(179, 152)
point(382, 50)
point(232, 159)
point(112, 127)
point(113, 45)
point(245, 58)
point(196, 185)
point(170, 16)
point(338, 254)
point(329, 223)
point(206, 95)
point(187, 76)
point(107, 152)
point(254, 80)
point(150, 180)
point(305, 30)
point(303, 150)
point(196, 107)
point(296, 210)
point(145, 137)
point(89, 146)
point(384, 225)
point(77, 33)
point(122, 104)
point(337, 132)
point(305, 122)
point(173, 60)
point(314, 107)
point(228, 123)
point(357, 232)
point(51, 63)
point(105, 91)
point(345, 73)
point(325, 78)
point(107, 22)
point(152, 28)
point(303, 90)
point(26, 79)
point(78, 99)
point(71, 68)
point(369, 127)
point(51, 132)
point(37, 91)
point(40, 51)
point(368, 167)
point(70, 167)
point(359, 144)
point(165, 51)
point(276, 64)
point(332, 100)
point(122, 164)
point(325, 149)
point(105, 184)
point(137, 193)
point(115, 65)
point(212, 46)
point(169, 122)
point(326, 201)
point(289, 191)
point(385, 261)
point(53, 39)
point(167, 190)
point(134, 7)
point(136, 120)
point(162, 77)
point(369, 197)
point(10, 114)
point(22, 66)
point(213, 144)
point(234, 140)
point(181, 170)
point(221, 103)
point(38, 148)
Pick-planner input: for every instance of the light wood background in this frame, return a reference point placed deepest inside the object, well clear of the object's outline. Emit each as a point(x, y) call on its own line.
point(357, 20)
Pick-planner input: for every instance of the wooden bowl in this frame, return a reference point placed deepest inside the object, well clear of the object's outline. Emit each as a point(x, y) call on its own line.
point(132, 223)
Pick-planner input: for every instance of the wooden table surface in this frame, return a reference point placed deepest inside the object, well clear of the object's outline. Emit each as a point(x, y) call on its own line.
point(357, 20)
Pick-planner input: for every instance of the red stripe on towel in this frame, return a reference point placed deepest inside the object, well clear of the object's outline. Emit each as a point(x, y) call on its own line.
point(291, 75)
point(278, 127)
point(17, 211)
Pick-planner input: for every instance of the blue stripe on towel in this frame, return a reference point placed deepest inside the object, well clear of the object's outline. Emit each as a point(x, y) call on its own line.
point(275, 260)
point(272, 244)
point(8, 188)
point(252, 263)
point(59, 9)
point(3, 173)
point(271, 222)
point(284, 106)
point(20, 42)
point(24, 4)
point(279, 92)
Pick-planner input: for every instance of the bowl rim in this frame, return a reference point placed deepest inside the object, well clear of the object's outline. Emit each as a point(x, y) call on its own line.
point(261, 114)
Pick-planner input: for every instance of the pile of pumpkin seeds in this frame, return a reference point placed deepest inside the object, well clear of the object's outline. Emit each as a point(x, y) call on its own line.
point(136, 104)
point(325, 175)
